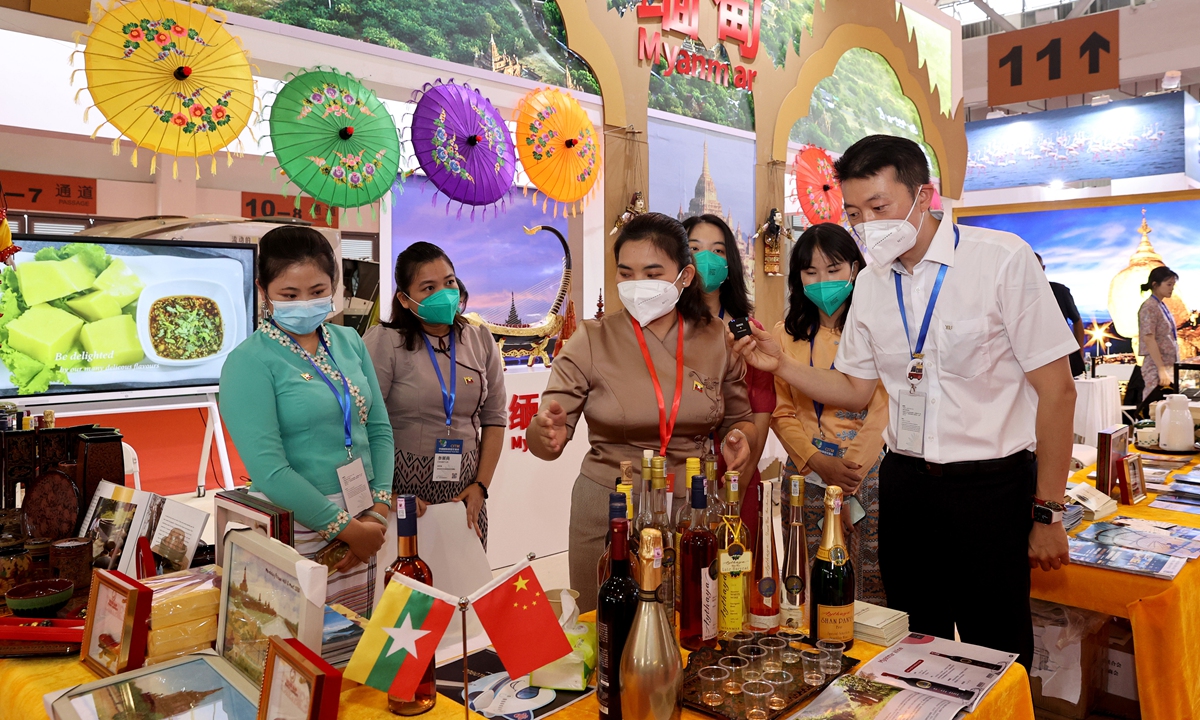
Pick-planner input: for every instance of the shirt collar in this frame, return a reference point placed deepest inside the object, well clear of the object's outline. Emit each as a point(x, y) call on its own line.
point(941, 248)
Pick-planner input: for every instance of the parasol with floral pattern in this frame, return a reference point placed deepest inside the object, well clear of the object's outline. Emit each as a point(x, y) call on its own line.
point(169, 77)
point(334, 139)
point(558, 147)
point(817, 187)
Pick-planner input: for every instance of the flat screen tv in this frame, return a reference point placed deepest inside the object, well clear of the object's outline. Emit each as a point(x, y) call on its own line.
point(87, 319)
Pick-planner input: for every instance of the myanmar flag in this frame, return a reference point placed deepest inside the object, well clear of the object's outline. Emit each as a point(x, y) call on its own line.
point(519, 621)
point(401, 637)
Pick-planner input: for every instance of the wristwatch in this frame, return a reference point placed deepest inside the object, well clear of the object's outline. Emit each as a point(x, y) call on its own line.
point(1047, 512)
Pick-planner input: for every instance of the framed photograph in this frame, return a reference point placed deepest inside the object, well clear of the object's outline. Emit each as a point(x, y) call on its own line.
point(261, 516)
point(114, 638)
point(267, 588)
point(201, 686)
point(1112, 446)
point(298, 684)
point(1132, 480)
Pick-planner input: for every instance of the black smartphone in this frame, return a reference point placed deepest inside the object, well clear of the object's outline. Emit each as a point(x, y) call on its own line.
point(740, 327)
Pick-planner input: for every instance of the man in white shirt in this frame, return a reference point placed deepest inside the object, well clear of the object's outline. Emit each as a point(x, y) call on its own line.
point(960, 324)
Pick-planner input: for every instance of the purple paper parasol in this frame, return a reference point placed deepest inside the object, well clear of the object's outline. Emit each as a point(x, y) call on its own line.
point(462, 144)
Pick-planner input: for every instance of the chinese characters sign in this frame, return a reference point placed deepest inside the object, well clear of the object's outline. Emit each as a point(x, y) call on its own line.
point(737, 20)
point(49, 193)
point(521, 410)
point(260, 205)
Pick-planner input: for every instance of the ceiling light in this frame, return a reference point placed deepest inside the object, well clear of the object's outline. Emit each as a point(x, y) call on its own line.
point(1170, 80)
point(1100, 100)
point(996, 114)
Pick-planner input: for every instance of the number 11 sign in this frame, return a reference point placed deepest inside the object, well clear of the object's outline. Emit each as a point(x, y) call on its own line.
point(1070, 57)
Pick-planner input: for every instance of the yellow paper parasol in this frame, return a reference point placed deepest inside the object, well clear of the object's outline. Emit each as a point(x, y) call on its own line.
point(170, 78)
point(558, 147)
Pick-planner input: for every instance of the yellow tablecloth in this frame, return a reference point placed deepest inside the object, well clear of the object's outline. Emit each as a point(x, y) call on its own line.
point(1165, 615)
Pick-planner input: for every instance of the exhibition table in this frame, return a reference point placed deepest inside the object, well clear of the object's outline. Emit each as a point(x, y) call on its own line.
point(1097, 406)
point(1165, 615)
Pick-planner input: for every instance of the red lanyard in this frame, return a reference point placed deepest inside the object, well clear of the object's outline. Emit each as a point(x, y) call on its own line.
point(665, 426)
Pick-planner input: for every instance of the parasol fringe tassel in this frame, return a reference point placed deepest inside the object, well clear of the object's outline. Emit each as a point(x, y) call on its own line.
point(312, 209)
point(359, 216)
point(472, 214)
point(228, 158)
point(77, 70)
point(296, 205)
point(133, 157)
point(374, 216)
point(545, 201)
point(213, 170)
point(329, 216)
point(524, 191)
point(555, 210)
point(153, 163)
point(175, 169)
point(116, 145)
point(85, 113)
point(197, 161)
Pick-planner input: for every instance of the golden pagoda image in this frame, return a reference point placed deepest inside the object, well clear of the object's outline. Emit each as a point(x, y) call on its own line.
point(1125, 294)
point(705, 202)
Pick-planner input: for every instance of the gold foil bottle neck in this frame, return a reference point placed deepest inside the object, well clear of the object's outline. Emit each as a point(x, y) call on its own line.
point(732, 491)
point(833, 542)
point(795, 491)
point(658, 477)
point(650, 555)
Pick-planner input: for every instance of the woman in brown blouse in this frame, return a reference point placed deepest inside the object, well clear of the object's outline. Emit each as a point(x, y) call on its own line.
point(426, 328)
point(602, 374)
point(1157, 341)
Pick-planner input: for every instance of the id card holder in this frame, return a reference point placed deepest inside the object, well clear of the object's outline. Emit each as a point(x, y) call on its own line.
point(447, 460)
point(827, 448)
point(356, 491)
point(910, 433)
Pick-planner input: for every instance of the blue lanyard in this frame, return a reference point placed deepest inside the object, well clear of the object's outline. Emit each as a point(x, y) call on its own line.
point(933, 298)
point(1170, 318)
point(721, 314)
point(447, 393)
point(818, 408)
point(343, 400)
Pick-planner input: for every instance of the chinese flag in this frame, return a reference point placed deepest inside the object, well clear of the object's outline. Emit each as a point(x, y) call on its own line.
point(518, 619)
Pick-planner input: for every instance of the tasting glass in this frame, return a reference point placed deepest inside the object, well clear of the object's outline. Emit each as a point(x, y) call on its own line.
point(737, 641)
point(811, 661)
point(832, 665)
point(712, 685)
point(774, 646)
point(755, 654)
point(781, 688)
point(737, 669)
point(757, 697)
point(791, 653)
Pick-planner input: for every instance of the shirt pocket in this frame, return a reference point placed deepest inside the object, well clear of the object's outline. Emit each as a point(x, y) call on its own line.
point(963, 347)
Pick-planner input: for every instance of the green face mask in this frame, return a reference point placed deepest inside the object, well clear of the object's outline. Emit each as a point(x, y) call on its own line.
point(712, 268)
point(829, 295)
point(439, 308)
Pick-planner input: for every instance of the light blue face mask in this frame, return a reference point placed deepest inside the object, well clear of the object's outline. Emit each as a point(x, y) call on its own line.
point(300, 317)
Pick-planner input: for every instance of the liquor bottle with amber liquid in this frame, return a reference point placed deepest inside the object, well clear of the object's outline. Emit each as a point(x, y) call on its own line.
point(410, 565)
point(616, 511)
point(832, 579)
point(735, 562)
point(616, 605)
point(795, 557)
point(683, 518)
point(763, 605)
point(698, 580)
point(659, 520)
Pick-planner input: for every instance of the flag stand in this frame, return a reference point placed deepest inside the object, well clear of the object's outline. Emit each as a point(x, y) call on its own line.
point(463, 603)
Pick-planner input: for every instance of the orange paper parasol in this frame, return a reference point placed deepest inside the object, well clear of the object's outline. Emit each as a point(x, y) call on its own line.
point(817, 188)
point(558, 147)
point(170, 78)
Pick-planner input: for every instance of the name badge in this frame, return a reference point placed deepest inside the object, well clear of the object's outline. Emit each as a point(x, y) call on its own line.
point(910, 430)
point(355, 489)
point(447, 460)
point(827, 448)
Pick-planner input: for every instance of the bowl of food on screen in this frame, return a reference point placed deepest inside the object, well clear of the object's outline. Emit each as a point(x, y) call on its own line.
point(186, 322)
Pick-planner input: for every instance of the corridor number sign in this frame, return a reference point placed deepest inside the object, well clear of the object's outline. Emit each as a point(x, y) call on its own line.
point(1070, 57)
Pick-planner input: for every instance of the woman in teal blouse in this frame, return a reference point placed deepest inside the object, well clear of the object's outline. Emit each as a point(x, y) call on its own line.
point(297, 421)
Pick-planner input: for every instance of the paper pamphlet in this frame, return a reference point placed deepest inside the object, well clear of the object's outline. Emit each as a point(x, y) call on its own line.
point(851, 696)
point(943, 669)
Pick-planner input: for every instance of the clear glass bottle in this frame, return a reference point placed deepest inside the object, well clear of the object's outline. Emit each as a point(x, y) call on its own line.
point(763, 605)
point(698, 583)
point(708, 463)
point(642, 521)
point(795, 557)
point(832, 578)
point(410, 565)
point(651, 666)
point(616, 606)
point(660, 521)
point(735, 563)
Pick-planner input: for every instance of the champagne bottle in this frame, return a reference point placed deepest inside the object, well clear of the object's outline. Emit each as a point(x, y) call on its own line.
point(709, 463)
point(795, 556)
point(764, 586)
point(683, 518)
point(410, 565)
point(660, 521)
point(698, 585)
point(735, 562)
point(651, 666)
point(833, 578)
point(615, 607)
point(616, 511)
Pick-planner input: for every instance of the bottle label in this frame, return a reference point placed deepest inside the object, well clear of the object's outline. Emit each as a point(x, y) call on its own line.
point(835, 622)
point(763, 622)
point(797, 485)
point(658, 557)
point(604, 666)
point(731, 609)
point(794, 584)
point(736, 560)
point(766, 586)
point(708, 602)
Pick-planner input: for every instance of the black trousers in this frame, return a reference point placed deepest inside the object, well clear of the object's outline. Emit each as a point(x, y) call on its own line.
point(953, 550)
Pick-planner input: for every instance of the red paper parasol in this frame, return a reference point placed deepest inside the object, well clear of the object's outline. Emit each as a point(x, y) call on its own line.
point(817, 188)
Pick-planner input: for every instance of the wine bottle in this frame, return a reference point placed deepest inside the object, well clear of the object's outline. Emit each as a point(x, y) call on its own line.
point(795, 556)
point(934, 687)
point(409, 564)
point(763, 613)
point(625, 486)
point(616, 510)
point(651, 666)
point(660, 521)
point(709, 463)
point(698, 580)
point(683, 518)
point(615, 607)
point(735, 562)
point(833, 578)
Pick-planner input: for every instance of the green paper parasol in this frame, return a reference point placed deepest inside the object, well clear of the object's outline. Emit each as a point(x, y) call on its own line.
point(334, 139)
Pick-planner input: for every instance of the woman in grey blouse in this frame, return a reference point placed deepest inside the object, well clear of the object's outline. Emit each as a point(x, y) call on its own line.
point(448, 418)
point(1158, 343)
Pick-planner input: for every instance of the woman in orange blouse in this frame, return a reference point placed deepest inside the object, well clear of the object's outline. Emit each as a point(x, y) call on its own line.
point(829, 445)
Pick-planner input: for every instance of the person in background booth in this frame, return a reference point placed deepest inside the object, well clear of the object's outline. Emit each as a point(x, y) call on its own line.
point(721, 276)
point(1066, 303)
point(831, 445)
point(1157, 341)
point(303, 407)
point(656, 375)
point(443, 383)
